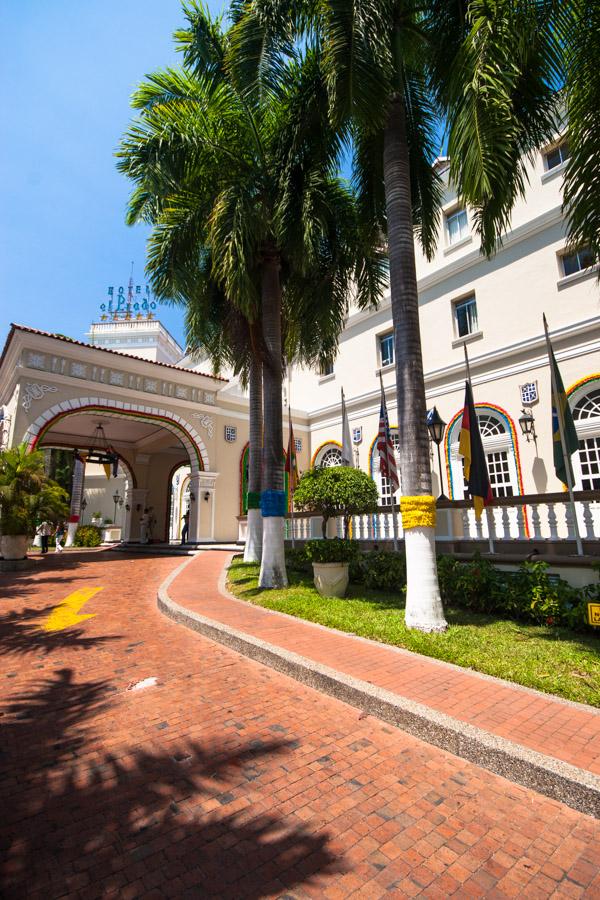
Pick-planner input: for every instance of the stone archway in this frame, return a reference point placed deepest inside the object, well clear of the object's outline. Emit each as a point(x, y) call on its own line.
point(186, 434)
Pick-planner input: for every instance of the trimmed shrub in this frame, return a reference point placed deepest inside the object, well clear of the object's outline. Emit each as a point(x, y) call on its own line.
point(380, 570)
point(336, 550)
point(88, 536)
point(530, 594)
point(337, 491)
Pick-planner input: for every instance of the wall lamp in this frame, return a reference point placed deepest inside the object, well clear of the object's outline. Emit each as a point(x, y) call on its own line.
point(527, 423)
point(436, 428)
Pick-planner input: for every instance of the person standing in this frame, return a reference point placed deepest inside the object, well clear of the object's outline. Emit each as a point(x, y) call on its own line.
point(59, 535)
point(45, 530)
point(144, 524)
point(186, 527)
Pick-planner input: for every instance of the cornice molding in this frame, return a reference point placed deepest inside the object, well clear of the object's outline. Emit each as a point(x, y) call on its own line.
point(368, 402)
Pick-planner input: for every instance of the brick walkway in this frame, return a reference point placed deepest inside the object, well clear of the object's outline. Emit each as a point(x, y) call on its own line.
point(569, 732)
point(230, 780)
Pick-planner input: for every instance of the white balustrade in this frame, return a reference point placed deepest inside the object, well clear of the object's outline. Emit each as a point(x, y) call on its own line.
point(549, 520)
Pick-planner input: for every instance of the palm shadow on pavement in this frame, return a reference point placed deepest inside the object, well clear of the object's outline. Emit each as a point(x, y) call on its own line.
point(81, 816)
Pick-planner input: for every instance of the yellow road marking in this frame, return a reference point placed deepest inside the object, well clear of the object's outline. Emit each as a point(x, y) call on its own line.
point(66, 613)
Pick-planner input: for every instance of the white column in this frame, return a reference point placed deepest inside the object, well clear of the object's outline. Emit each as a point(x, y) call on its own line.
point(202, 513)
point(137, 501)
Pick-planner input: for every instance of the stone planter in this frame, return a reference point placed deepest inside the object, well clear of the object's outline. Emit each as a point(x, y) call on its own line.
point(111, 534)
point(14, 546)
point(331, 579)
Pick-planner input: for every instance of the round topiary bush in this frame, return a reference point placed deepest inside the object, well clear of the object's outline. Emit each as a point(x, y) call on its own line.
point(336, 491)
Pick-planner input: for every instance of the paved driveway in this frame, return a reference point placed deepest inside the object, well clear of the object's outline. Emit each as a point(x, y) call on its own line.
point(226, 779)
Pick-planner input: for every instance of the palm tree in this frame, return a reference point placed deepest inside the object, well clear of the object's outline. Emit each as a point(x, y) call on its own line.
point(399, 73)
point(248, 175)
point(579, 25)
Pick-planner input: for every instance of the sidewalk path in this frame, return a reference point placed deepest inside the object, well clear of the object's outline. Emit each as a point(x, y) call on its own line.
point(562, 731)
point(227, 779)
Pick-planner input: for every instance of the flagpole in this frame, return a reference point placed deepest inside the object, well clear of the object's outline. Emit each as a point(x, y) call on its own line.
point(387, 463)
point(561, 432)
point(291, 449)
point(488, 512)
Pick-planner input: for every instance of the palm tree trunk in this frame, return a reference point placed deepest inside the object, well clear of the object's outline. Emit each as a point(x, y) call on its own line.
point(423, 602)
point(253, 548)
point(272, 570)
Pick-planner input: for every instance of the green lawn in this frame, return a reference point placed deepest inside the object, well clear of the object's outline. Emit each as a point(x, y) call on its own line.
point(557, 661)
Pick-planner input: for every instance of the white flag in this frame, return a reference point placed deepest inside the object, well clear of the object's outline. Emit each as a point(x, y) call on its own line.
point(347, 455)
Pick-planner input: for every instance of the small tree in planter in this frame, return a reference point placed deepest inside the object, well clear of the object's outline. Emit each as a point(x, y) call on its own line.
point(332, 492)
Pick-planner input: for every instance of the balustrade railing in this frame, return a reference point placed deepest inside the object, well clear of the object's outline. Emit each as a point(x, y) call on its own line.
point(539, 517)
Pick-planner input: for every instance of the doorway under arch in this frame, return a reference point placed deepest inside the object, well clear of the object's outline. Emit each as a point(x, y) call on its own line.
point(151, 442)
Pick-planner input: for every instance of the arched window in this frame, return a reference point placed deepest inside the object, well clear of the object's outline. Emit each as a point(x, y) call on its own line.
point(328, 455)
point(498, 445)
point(384, 487)
point(331, 457)
point(586, 463)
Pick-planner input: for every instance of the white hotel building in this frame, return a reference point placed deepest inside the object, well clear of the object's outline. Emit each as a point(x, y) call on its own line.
point(493, 306)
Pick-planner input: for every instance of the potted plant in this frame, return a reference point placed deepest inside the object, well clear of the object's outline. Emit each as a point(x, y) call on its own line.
point(27, 496)
point(331, 492)
point(97, 519)
point(330, 561)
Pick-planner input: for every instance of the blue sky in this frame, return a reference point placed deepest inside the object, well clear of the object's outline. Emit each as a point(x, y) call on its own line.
point(68, 68)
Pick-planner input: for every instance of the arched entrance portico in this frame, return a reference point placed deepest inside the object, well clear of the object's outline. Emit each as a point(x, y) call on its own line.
point(148, 438)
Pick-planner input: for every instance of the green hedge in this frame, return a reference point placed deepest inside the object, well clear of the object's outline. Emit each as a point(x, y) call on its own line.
point(530, 594)
point(88, 536)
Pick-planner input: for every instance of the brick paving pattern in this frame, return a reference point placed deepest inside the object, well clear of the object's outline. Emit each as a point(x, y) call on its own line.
point(568, 732)
point(230, 780)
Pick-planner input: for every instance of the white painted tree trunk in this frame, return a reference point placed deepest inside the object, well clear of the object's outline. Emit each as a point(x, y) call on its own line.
point(71, 532)
point(272, 569)
point(424, 609)
point(254, 533)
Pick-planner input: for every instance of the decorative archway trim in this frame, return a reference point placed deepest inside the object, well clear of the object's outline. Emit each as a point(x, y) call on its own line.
point(320, 447)
point(189, 437)
point(510, 426)
point(515, 445)
point(243, 455)
point(583, 382)
point(242, 459)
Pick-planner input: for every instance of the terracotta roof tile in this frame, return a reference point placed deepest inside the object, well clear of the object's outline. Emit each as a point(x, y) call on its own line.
point(61, 337)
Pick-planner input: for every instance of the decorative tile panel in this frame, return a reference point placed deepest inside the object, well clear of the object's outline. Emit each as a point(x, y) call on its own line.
point(36, 360)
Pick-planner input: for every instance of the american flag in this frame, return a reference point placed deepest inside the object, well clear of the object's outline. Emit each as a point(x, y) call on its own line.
point(385, 448)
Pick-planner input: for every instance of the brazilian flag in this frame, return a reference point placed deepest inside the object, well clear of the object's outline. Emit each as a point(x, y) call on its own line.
point(470, 448)
point(561, 404)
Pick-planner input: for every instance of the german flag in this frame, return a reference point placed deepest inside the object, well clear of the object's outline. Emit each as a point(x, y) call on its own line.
point(471, 449)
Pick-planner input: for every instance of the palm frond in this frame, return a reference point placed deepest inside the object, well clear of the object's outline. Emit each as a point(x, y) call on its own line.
point(502, 104)
point(580, 31)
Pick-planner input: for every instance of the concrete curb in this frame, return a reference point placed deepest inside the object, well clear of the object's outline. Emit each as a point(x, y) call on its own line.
point(561, 781)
